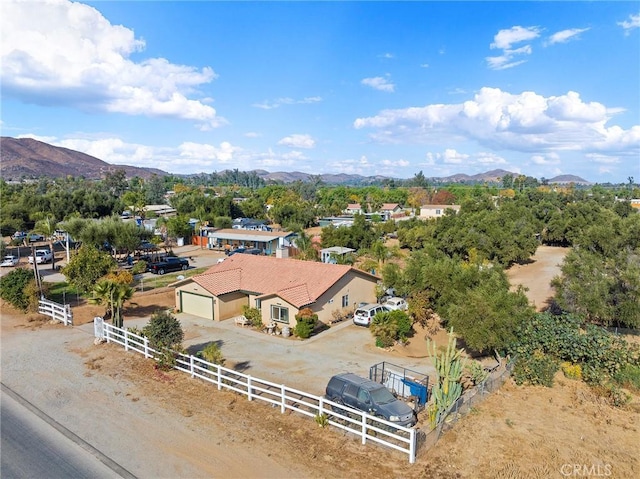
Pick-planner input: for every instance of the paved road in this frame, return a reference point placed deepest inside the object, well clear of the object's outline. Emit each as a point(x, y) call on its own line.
point(34, 445)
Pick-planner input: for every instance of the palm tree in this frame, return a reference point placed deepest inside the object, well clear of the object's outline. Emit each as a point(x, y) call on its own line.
point(113, 295)
point(122, 293)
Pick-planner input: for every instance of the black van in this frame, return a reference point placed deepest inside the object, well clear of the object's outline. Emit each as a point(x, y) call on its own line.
point(369, 396)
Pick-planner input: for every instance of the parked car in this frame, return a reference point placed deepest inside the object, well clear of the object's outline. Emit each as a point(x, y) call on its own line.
point(369, 396)
point(19, 235)
point(364, 314)
point(239, 249)
point(9, 260)
point(33, 237)
point(395, 303)
point(167, 265)
point(256, 251)
point(42, 256)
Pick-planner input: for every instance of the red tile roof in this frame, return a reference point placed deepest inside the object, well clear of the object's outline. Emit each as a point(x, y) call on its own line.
point(298, 282)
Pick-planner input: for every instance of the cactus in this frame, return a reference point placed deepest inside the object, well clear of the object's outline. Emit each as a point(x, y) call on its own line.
point(447, 390)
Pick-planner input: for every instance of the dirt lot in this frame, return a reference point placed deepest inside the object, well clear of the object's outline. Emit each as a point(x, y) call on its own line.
point(516, 432)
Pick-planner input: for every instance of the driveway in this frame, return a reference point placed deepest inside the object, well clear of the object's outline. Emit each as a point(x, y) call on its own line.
point(305, 365)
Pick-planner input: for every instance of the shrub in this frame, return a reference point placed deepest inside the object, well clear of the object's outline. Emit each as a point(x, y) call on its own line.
point(139, 268)
point(306, 321)
point(389, 327)
point(253, 315)
point(212, 354)
point(164, 331)
point(537, 369)
point(18, 288)
point(571, 371)
point(628, 377)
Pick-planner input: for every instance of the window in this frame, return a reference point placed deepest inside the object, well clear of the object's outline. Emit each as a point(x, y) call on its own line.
point(363, 396)
point(345, 301)
point(258, 303)
point(280, 314)
point(438, 212)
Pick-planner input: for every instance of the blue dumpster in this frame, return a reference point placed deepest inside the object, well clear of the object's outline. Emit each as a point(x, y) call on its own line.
point(418, 390)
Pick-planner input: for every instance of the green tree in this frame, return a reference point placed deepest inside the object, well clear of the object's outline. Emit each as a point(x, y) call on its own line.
point(87, 266)
point(306, 321)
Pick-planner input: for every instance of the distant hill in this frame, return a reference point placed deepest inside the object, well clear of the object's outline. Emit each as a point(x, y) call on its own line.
point(29, 158)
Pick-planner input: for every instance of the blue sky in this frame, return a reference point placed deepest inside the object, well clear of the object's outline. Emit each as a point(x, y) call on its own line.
point(370, 88)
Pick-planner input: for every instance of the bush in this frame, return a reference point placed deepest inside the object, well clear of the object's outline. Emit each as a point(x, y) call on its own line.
point(139, 268)
point(212, 354)
point(537, 369)
point(253, 315)
point(571, 371)
point(164, 331)
point(19, 289)
point(389, 327)
point(628, 377)
point(306, 321)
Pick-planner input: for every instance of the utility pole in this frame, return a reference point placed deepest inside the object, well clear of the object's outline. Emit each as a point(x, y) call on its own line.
point(35, 269)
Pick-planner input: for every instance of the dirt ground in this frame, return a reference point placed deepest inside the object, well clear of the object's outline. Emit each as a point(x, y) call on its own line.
point(564, 431)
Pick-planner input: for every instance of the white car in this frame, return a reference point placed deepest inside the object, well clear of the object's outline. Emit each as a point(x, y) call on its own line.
point(42, 256)
point(9, 260)
point(396, 303)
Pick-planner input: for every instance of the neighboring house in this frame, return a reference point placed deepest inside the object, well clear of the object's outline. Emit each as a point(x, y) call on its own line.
point(354, 209)
point(160, 210)
point(436, 211)
point(328, 255)
point(250, 224)
point(270, 242)
point(278, 287)
point(390, 210)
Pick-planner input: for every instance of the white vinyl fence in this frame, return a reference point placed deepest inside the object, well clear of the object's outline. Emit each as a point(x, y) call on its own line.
point(367, 427)
point(59, 312)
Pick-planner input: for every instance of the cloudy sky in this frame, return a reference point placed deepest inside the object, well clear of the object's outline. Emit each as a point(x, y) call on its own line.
point(385, 88)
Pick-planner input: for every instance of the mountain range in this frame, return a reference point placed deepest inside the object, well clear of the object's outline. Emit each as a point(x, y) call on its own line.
point(26, 158)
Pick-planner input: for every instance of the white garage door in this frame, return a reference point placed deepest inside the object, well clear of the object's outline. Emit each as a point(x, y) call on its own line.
point(201, 306)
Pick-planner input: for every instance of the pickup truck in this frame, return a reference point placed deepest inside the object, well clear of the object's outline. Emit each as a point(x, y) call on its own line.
point(168, 264)
point(42, 256)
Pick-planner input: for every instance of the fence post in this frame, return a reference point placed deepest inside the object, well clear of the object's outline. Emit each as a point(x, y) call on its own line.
point(321, 406)
point(98, 327)
point(219, 377)
point(283, 396)
point(249, 396)
point(364, 428)
point(125, 333)
point(412, 446)
point(191, 366)
point(146, 347)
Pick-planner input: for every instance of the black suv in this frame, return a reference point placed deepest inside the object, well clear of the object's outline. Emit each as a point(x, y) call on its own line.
point(168, 264)
point(369, 396)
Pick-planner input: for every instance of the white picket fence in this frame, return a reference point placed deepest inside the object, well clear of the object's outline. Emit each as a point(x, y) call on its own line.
point(59, 312)
point(368, 428)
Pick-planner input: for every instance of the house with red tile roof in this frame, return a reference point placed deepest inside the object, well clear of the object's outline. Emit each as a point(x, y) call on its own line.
point(278, 287)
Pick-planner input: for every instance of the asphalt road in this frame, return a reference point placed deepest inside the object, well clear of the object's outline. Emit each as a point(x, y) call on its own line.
point(34, 446)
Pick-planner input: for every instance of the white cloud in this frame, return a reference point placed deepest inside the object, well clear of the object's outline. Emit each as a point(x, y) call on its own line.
point(525, 122)
point(252, 134)
point(424, 65)
point(566, 35)
point(543, 160)
point(387, 56)
point(298, 141)
point(69, 54)
point(379, 83)
point(278, 102)
point(631, 23)
point(504, 39)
